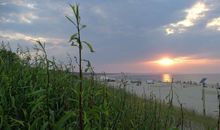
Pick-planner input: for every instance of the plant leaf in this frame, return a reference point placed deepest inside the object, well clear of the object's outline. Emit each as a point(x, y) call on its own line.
point(71, 20)
point(73, 9)
point(40, 44)
point(77, 13)
point(73, 37)
point(89, 46)
point(63, 119)
point(20, 122)
point(83, 26)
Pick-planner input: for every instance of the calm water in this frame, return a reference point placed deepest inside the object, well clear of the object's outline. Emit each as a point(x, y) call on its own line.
point(211, 78)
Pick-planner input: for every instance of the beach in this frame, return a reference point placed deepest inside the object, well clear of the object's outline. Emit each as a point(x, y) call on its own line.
point(188, 95)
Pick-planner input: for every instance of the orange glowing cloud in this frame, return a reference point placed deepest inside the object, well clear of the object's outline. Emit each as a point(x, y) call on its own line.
point(167, 61)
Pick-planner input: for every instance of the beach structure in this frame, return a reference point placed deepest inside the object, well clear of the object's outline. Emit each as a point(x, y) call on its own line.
point(137, 82)
point(150, 81)
point(203, 94)
point(107, 79)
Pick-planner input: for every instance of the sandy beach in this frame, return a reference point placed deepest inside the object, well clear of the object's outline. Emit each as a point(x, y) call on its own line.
point(189, 95)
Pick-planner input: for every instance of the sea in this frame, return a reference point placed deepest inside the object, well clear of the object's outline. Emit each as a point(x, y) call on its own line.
point(211, 78)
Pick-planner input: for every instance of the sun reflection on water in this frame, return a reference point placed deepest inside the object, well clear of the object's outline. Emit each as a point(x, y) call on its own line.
point(166, 78)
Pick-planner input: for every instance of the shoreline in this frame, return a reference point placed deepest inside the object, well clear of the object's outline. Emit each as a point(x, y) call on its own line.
point(190, 95)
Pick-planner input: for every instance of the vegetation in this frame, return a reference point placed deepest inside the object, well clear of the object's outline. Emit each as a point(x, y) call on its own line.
point(29, 100)
point(37, 93)
point(75, 40)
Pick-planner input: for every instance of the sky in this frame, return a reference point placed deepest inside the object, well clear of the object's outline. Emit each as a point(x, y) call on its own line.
point(132, 36)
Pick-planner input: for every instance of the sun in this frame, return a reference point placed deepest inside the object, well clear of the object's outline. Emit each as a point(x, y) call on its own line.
point(166, 62)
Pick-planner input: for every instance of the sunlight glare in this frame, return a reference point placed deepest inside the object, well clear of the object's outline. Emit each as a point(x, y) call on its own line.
point(166, 62)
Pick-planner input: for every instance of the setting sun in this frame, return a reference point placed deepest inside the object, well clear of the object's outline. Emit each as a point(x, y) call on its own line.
point(166, 61)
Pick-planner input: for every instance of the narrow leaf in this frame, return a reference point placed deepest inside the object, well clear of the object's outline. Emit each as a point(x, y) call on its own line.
point(83, 26)
point(73, 37)
point(62, 121)
point(71, 20)
point(37, 92)
point(89, 46)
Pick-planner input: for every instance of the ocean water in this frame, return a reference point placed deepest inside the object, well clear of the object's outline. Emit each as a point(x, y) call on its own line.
point(211, 78)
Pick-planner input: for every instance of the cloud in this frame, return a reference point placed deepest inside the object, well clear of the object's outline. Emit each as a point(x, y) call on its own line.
point(19, 18)
point(14, 11)
point(193, 14)
point(6, 20)
point(214, 24)
point(21, 3)
point(26, 17)
point(187, 60)
point(3, 3)
point(99, 11)
point(20, 36)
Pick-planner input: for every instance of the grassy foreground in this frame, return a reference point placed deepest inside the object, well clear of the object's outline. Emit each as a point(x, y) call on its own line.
point(36, 95)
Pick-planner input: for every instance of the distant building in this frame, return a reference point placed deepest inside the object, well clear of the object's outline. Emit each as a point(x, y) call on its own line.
point(150, 81)
point(105, 78)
